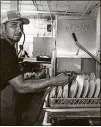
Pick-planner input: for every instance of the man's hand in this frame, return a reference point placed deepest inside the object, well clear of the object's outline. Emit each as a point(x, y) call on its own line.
point(42, 73)
point(63, 79)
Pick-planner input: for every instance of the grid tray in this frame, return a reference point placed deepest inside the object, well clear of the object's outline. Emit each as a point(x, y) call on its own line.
point(75, 102)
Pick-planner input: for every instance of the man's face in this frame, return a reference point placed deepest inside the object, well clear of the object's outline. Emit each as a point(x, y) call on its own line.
point(14, 30)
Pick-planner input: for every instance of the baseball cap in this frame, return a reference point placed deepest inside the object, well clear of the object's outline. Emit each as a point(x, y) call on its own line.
point(13, 15)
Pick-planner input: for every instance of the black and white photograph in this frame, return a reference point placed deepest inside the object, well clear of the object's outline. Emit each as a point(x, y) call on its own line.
point(50, 63)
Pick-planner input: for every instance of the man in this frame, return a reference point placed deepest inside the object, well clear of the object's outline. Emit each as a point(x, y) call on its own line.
point(11, 32)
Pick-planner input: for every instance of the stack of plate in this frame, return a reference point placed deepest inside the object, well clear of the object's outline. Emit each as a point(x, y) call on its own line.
point(83, 87)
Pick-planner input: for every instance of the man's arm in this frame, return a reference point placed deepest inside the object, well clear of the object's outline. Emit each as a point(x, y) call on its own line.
point(31, 86)
point(28, 86)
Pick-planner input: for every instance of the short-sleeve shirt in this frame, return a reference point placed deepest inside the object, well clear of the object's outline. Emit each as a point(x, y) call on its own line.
point(9, 65)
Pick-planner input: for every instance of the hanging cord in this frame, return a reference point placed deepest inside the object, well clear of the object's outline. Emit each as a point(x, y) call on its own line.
point(71, 76)
point(22, 43)
point(80, 46)
point(41, 108)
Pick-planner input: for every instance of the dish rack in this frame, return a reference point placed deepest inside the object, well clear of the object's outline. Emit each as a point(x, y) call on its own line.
point(71, 108)
point(74, 102)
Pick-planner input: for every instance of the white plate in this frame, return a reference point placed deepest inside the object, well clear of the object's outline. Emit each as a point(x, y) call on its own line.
point(85, 88)
point(53, 93)
point(97, 87)
point(73, 89)
point(91, 88)
point(65, 91)
point(80, 80)
point(59, 92)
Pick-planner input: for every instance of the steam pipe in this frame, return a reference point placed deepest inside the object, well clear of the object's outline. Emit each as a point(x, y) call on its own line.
point(80, 46)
